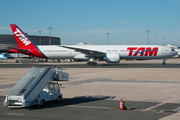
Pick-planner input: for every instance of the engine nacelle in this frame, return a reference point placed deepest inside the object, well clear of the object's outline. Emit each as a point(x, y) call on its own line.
point(112, 58)
point(81, 56)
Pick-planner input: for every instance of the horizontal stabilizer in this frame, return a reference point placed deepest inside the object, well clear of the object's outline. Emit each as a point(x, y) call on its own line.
point(19, 49)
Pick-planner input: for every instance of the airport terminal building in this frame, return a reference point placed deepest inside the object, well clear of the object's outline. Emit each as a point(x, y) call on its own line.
point(10, 41)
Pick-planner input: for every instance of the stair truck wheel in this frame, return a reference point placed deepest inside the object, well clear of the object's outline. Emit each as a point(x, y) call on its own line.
point(41, 103)
point(59, 99)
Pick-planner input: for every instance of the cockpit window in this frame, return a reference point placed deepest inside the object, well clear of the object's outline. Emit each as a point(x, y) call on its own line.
point(172, 49)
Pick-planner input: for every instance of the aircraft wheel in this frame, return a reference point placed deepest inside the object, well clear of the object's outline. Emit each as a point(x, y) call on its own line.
point(17, 61)
point(95, 63)
point(42, 102)
point(91, 63)
point(88, 63)
point(58, 99)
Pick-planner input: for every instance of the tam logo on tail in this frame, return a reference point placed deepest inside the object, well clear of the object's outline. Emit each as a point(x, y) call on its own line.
point(22, 37)
point(26, 45)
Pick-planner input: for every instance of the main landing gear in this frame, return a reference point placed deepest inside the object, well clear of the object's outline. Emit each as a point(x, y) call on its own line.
point(91, 63)
point(17, 61)
point(164, 61)
point(17, 58)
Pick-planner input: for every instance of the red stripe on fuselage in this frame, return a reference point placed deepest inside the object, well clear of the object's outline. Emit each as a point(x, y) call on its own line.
point(34, 52)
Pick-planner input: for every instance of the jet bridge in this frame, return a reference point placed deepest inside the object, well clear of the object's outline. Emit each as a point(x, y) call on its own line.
point(28, 91)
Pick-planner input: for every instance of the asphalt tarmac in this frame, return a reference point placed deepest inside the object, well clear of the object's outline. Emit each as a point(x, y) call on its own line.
point(97, 104)
point(101, 64)
point(86, 108)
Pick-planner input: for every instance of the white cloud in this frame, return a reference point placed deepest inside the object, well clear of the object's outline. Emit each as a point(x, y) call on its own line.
point(94, 31)
point(30, 30)
point(99, 31)
point(124, 23)
point(5, 28)
point(177, 2)
point(63, 10)
point(45, 8)
point(107, 31)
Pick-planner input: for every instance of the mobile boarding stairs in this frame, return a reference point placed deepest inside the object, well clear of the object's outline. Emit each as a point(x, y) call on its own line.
point(37, 86)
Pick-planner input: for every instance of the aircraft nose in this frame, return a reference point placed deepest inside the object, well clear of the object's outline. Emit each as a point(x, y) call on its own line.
point(175, 52)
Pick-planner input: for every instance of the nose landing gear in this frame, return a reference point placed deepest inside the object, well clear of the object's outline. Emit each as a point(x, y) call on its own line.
point(164, 61)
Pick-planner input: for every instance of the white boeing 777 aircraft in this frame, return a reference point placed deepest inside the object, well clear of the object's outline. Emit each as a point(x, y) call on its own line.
point(109, 53)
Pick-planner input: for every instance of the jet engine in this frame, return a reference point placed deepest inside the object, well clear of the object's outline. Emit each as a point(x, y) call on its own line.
point(112, 58)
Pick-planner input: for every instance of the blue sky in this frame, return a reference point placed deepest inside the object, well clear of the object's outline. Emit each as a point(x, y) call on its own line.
point(89, 20)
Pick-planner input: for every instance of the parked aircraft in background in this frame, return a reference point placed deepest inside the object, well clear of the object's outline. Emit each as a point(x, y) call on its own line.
point(2, 57)
point(177, 50)
point(109, 53)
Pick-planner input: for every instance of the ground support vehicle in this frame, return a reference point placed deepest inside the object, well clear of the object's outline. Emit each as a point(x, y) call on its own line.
point(37, 86)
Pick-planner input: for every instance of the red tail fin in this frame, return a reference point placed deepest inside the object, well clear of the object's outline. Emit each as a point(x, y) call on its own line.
point(25, 43)
point(22, 39)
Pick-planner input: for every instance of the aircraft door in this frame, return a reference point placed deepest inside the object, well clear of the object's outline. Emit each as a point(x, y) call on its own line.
point(162, 51)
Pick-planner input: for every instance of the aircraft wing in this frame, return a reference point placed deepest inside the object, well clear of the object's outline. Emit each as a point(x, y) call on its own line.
point(86, 51)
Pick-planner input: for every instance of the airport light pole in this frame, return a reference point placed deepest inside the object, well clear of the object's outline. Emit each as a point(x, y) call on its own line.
point(108, 38)
point(147, 35)
point(155, 39)
point(163, 40)
point(40, 37)
point(50, 28)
